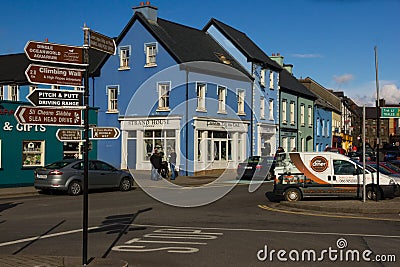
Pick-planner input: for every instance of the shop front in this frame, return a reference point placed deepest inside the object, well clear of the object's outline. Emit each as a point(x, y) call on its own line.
point(266, 139)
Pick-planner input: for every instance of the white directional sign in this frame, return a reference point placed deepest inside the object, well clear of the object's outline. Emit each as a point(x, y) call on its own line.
point(56, 98)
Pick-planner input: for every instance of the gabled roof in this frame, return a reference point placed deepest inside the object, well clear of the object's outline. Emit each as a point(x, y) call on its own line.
point(244, 44)
point(290, 84)
point(13, 66)
point(185, 44)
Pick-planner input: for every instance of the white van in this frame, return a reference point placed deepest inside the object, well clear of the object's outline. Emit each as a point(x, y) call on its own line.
point(323, 174)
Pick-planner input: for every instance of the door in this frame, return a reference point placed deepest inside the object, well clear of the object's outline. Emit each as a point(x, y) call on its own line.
point(344, 179)
point(102, 175)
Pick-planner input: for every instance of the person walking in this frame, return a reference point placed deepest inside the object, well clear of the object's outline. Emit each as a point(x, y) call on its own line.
point(172, 163)
point(155, 160)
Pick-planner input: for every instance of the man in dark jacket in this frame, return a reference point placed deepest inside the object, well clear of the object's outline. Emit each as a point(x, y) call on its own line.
point(155, 160)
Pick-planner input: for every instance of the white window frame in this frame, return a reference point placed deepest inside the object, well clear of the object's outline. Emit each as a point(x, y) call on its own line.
point(271, 79)
point(262, 77)
point(271, 109)
point(13, 93)
point(1, 92)
point(262, 107)
point(31, 153)
point(309, 116)
point(201, 90)
point(151, 50)
point(292, 143)
point(32, 88)
point(221, 92)
point(302, 115)
point(285, 143)
point(292, 107)
point(55, 87)
point(124, 53)
point(284, 111)
point(241, 100)
point(164, 90)
point(112, 100)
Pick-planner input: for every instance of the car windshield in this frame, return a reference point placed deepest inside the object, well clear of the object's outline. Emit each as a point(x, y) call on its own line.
point(57, 165)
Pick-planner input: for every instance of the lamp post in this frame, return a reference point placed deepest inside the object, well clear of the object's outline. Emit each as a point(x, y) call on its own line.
point(378, 123)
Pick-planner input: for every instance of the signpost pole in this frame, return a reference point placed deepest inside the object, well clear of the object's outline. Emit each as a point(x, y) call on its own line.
point(378, 124)
point(86, 147)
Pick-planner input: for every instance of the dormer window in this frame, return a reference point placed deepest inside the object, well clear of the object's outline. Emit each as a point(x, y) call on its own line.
point(151, 53)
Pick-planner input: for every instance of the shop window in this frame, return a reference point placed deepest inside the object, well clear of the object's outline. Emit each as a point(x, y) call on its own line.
point(151, 52)
point(163, 140)
point(32, 153)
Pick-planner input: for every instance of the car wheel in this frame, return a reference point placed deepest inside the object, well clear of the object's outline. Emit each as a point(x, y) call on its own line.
point(125, 184)
point(292, 194)
point(373, 194)
point(75, 188)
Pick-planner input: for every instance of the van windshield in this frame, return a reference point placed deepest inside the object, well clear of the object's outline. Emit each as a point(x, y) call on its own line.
point(367, 167)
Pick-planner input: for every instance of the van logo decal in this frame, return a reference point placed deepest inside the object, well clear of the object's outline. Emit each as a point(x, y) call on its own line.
point(319, 164)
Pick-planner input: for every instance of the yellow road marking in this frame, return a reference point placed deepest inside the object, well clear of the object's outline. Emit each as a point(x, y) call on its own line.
point(326, 215)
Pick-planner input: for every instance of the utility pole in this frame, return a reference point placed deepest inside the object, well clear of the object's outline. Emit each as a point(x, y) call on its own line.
point(378, 123)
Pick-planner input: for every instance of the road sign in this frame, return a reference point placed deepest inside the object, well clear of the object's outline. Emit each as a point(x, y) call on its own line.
point(392, 112)
point(56, 98)
point(49, 52)
point(52, 75)
point(101, 42)
point(66, 135)
point(105, 133)
point(49, 116)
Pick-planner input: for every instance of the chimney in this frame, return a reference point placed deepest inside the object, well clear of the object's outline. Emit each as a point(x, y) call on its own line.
point(288, 67)
point(149, 11)
point(277, 58)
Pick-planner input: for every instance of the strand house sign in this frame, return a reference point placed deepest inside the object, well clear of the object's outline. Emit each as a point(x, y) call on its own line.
point(49, 52)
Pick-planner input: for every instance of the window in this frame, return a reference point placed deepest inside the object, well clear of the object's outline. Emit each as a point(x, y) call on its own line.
point(271, 109)
point(271, 80)
point(201, 96)
point(124, 56)
point(328, 126)
point(55, 87)
point(71, 150)
point(163, 140)
point(32, 153)
point(262, 77)
point(292, 144)
point(221, 99)
point(284, 115)
point(13, 92)
point(32, 88)
point(292, 113)
point(318, 127)
point(323, 131)
point(1, 92)
point(343, 167)
point(302, 115)
point(151, 52)
point(112, 92)
point(1, 152)
point(240, 99)
point(262, 108)
point(309, 116)
point(163, 96)
point(285, 143)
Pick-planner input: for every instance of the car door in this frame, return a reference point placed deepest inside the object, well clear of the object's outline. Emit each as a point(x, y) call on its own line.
point(105, 175)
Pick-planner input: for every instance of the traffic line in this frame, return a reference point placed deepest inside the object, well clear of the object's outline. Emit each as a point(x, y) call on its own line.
point(265, 207)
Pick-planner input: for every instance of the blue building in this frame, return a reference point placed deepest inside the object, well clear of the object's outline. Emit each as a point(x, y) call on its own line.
point(265, 73)
point(173, 87)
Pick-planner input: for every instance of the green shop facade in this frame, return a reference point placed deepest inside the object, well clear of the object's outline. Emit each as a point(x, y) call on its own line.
point(26, 147)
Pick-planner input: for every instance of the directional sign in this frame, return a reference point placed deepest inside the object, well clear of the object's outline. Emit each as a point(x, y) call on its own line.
point(393, 112)
point(52, 75)
point(48, 116)
point(101, 42)
point(105, 133)
point(49, 52)
point(56, 98)
point(66, 135)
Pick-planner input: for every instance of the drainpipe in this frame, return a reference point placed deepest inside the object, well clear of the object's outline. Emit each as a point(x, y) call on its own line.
point(187, 124)
point(253, 70)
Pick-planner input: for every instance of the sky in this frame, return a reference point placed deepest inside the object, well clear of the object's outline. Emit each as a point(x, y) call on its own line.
point(334, 42)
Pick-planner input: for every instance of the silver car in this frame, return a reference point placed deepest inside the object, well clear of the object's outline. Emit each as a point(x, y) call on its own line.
point(67, 175)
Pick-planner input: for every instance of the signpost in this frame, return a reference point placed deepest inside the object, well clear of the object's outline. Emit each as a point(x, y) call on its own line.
point(69, 135)
point(390, 112)
point(101, 42)
point(99, 133)
point(48, 116)
point(53, 75)
point(58, 53)
point(56, 98)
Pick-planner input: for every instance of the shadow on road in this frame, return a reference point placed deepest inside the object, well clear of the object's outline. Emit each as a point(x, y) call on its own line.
point(119, 224)
point(6, 206)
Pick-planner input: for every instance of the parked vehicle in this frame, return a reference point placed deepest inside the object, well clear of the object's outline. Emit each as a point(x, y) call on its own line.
point(336, 150)
point(327, 174)
point(384, 168)
point(67, 175)
point(256, 167)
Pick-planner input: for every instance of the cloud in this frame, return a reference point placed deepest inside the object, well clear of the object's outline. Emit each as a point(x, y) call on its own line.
point(306, 55)
point(345, 78)
point(391, 93)
point(366, 94)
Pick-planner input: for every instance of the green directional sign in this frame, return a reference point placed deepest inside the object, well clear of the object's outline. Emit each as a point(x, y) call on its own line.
point(390, 112)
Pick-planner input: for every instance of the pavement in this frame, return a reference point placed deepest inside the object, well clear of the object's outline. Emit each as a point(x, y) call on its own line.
point(348, 206)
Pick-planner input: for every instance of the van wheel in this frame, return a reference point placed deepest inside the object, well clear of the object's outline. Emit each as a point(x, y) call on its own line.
point(374, 193)
point(75, 188)
point(292, 194)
